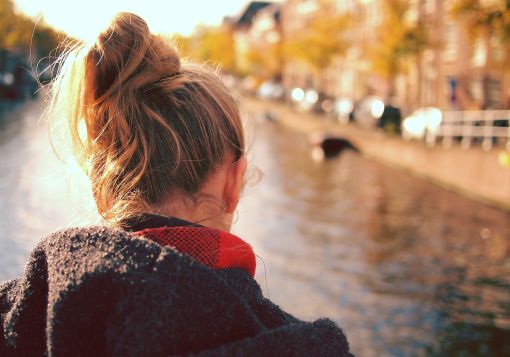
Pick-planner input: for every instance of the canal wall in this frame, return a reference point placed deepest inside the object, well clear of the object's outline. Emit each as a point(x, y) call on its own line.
point(473, 172)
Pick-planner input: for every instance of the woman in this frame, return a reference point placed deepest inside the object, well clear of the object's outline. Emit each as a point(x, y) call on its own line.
point(163, 146)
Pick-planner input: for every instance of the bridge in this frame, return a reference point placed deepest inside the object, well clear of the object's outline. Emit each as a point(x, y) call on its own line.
point(489, 127)
point(477, 173)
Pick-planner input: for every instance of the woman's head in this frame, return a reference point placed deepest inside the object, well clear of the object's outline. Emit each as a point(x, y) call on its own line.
point(147, 128)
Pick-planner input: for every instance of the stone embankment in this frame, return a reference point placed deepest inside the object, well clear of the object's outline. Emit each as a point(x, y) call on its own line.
point(473, 172)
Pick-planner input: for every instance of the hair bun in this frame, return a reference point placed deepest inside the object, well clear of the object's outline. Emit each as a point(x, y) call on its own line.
point(127, 54)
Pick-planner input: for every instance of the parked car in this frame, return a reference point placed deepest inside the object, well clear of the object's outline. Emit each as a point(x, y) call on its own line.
point(500, 123)
point(324, 104)
point(342, 109)
point(390, 119)
point(368, 112)
point(304, 99)
point(421, 122)
point(271, 90)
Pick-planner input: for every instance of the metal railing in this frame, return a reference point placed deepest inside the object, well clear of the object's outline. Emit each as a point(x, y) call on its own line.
point(489, 127)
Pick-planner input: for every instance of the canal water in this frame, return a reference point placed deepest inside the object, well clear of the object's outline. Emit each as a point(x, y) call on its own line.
point(404, 267)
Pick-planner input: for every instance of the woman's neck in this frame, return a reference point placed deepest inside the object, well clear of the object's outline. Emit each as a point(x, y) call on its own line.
point(205, 211)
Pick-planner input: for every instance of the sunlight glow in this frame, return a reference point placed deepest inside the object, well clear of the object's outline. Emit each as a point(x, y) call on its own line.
point(85, 20)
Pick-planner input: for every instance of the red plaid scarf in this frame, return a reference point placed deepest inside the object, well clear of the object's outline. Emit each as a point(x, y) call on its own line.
point(212, 247)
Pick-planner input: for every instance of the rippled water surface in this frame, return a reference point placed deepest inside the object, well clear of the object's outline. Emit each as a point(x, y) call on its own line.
point(404, 267)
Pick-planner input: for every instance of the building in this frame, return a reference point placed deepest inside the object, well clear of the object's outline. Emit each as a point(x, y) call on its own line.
point(454, 71)
point(461, 71)
point(244, 38)
point(348, 74)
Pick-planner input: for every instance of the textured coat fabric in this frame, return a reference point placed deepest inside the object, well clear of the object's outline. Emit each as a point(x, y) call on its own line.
point(105, 292)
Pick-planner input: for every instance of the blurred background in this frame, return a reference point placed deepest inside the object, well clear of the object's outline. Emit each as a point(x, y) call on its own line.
point(382, 130)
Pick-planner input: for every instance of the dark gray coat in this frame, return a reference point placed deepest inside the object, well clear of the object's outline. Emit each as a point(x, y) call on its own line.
point(103, 292)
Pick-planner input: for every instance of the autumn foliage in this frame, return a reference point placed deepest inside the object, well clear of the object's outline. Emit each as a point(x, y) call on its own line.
point(22, 34)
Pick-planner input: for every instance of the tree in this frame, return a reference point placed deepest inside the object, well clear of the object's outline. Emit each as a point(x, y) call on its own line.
point(320, 42)
point(265, 60)
point(216, 45)
point(182, 43)
point(16, 29)
point(489, 22)
point(401, 42)
point(485, 17)
point(23, 34)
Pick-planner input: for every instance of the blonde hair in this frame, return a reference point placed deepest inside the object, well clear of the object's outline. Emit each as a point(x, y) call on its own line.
point(141, 123)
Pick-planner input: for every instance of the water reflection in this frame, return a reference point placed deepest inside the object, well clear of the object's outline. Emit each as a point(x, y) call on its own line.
point(405, 267)
point(36, 195)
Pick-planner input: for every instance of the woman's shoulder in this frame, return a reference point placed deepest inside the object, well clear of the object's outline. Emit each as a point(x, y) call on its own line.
point(103, 291)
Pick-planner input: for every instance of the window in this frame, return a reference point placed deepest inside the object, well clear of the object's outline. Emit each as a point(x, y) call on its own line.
point(451, 41)
point(480, 52)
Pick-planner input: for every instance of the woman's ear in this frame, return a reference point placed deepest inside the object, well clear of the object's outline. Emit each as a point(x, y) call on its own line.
point(234, 183)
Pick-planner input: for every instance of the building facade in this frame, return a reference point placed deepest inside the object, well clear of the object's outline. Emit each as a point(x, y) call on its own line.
point(454, 71)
